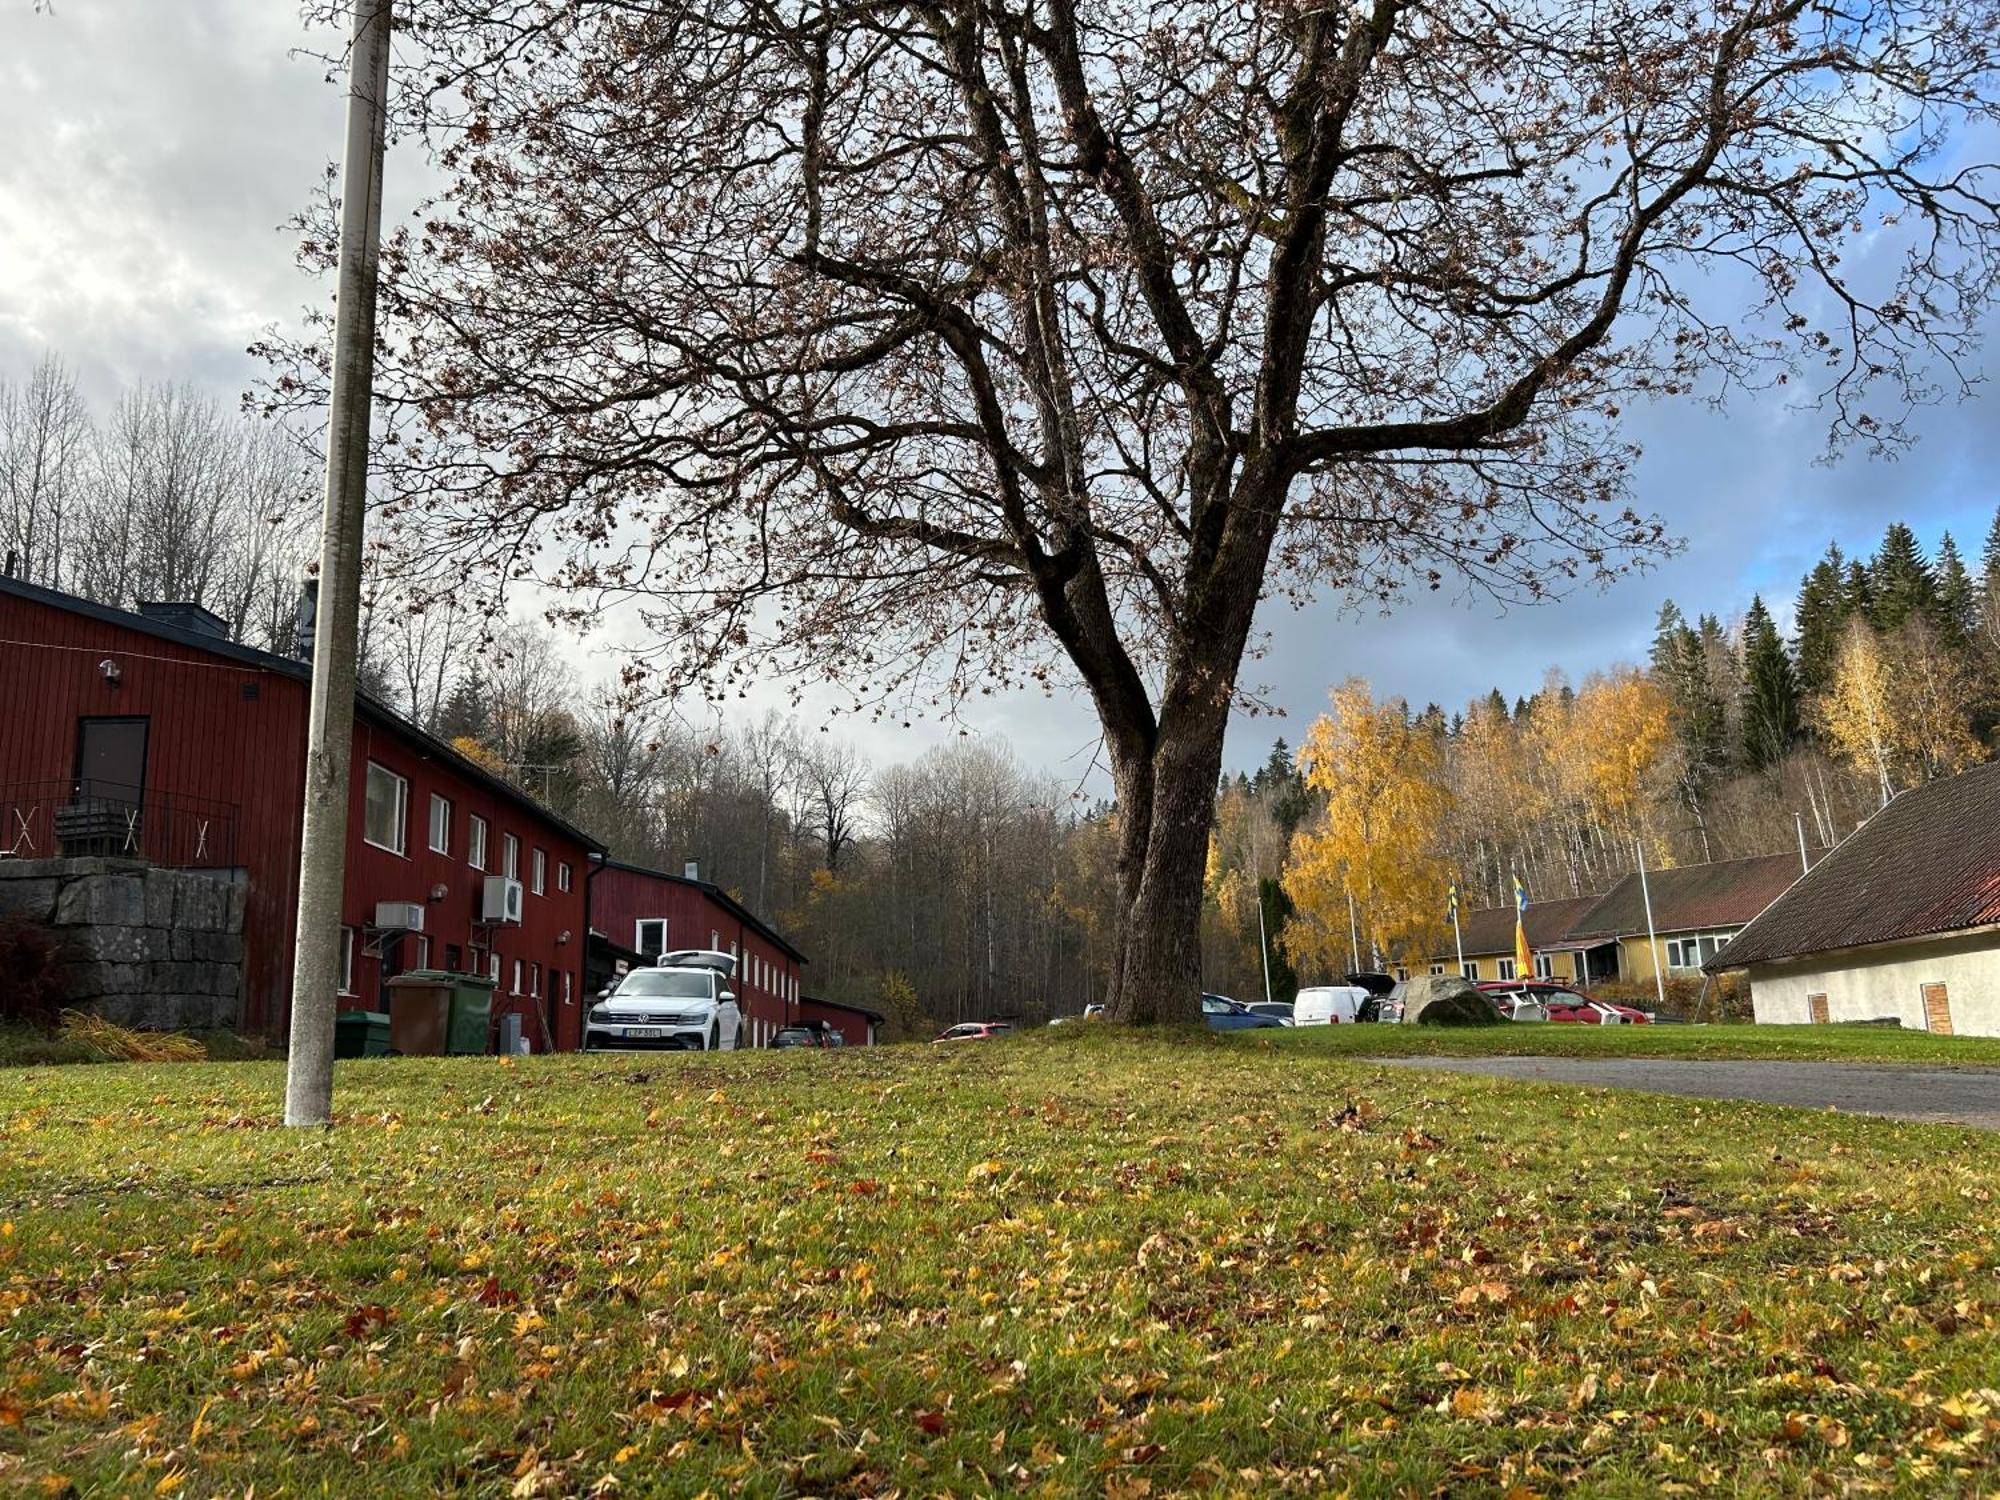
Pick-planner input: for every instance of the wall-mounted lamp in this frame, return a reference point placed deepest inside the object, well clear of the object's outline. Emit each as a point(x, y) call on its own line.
point(562, 937)
point(110, 671)
point(440, 891)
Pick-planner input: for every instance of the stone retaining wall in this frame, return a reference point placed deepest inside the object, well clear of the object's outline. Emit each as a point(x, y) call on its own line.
point(141, 946)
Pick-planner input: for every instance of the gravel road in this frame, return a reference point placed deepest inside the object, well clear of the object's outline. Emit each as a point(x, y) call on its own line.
point(1961, 1096)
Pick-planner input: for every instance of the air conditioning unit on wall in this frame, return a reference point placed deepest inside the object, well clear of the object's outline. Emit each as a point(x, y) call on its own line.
point(399, 916)
point(501, 900)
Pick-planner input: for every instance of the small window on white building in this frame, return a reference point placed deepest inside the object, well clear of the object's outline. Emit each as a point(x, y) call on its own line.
point(440, 824)
point(475, 842)
point(385, 821)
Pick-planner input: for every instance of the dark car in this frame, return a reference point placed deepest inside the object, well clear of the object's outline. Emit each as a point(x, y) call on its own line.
point(799, 1036)
point(1278, 1008)
point(1225, 1014)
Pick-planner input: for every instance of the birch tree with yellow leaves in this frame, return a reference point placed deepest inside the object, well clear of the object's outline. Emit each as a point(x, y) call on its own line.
point(1381, 836)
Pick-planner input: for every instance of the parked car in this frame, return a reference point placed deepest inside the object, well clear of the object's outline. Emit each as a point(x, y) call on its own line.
point(1276, 1008)
point(972, 1031)
point(1515, 1001)
point(681, 1004)
point(1224, 1014)
point(1330, 1005)
point(808, 1034)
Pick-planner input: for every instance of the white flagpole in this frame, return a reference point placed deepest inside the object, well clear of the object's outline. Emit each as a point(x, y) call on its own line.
point(1652, 941)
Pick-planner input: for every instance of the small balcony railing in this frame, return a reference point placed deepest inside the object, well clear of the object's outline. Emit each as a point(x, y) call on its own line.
point(51, 819)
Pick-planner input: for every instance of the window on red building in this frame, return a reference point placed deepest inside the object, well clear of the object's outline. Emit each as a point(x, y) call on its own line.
point(475, 842)
point(385, 822)
point(510, 856)
point(440, 824)
point(539, 866)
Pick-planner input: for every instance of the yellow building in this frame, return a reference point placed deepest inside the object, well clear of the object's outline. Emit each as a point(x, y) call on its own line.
point(1696, 909)
point(1488, 939)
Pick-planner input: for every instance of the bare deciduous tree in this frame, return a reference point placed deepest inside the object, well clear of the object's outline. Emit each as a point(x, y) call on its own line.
point(45, 435)
point(1010, 339)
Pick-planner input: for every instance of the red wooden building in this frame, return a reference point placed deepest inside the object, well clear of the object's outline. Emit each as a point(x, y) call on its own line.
point(651, 912)
point(203, 741)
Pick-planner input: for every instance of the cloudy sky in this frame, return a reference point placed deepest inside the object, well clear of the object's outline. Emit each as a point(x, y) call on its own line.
point(153, 150)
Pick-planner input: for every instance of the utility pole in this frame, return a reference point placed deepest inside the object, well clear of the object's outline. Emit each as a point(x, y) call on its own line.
point(1652, 938)
point(330, 729)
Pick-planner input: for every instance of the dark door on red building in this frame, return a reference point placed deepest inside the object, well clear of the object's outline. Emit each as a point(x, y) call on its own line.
point(111, 760)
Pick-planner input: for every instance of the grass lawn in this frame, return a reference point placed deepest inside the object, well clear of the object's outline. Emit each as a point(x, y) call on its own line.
point(1084, 1262)
point(1564, 1039)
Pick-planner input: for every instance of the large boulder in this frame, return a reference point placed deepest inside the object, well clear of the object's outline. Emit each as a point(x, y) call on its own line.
point(1446, 1000)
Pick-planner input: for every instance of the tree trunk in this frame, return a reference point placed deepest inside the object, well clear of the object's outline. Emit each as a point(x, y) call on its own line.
point(1167, 802)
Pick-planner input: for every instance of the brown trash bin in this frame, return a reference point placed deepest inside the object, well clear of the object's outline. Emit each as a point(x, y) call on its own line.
point(419, 1011)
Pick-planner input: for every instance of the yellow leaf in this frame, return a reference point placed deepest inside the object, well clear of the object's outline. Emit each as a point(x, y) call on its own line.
point(171, 1482)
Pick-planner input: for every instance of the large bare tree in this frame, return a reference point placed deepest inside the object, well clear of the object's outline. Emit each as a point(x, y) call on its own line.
point(946, 344)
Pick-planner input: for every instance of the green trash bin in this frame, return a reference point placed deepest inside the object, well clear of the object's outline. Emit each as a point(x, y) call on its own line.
point(361, 1033)
point(470, 1027)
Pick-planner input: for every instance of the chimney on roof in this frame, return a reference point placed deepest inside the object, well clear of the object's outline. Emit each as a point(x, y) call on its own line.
point(691, 870)
point(183, 616)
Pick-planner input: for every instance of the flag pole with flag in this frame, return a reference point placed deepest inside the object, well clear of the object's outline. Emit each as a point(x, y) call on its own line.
point(1458, 935)
point(1524, 957)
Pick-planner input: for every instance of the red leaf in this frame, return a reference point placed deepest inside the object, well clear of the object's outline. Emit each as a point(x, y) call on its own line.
point(493, 1295)
point(931, 1422)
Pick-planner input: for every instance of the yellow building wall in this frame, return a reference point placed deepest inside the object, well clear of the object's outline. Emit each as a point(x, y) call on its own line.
point(1639, 959)
point(1489, 964)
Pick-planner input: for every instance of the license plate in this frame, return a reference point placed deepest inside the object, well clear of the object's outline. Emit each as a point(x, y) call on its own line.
point(645, 1031)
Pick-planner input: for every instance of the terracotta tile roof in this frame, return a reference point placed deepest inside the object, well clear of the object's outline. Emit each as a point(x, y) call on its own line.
point(1927, 863)
point(1692, 898)
point(1491, 929)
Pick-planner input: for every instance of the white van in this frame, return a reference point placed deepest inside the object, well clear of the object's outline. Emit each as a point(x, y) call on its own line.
point(1329, 1005)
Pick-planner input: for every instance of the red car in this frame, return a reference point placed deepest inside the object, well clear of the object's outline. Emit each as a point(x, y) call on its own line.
point(973, 1031)
point(1566, 1004)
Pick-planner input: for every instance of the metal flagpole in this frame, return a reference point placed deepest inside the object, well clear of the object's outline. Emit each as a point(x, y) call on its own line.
point(1353, 935)
point(1652, 941)
point(1805, 863)
point(330, 729)
point(1263, 943)
point(1457, 932)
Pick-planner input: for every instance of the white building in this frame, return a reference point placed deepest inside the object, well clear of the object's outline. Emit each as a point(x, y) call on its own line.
point(1902, 920)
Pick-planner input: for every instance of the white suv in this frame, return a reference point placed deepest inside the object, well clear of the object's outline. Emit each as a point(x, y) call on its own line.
point(682, 1003)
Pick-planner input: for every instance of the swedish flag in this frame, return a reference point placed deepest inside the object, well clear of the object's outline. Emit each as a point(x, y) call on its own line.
point(1524, 958)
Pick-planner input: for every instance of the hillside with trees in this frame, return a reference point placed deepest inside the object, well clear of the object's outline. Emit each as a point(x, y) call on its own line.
point(1730, 740)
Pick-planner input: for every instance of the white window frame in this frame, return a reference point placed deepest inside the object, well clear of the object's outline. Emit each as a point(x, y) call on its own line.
point(347, 960)
point(402, 835)
point(493, 969)
point(1545, 966)
point(440, 842)
point(714, 941)
point(517, 976)
point(639, 933)
point(562, 875)
point(538, 871)
point(475, 841)
point(1437, 969)
point(1470, 970)
point(1509, 969)
point(534, 981)
point(510, 856)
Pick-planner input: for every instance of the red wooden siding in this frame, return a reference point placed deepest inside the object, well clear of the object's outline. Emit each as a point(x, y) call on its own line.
point(233, 730)
point(852, 1025)
point(767, 982)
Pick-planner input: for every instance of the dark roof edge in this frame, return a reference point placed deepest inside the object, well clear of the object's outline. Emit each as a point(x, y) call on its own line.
point(857, 1010)
point(1720, 964)
point(286, 666)
point(715, 893)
